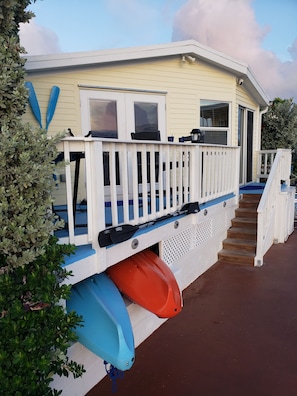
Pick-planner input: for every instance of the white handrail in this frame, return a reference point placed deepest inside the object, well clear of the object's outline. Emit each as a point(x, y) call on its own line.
point(264, 164)
point(268, 210)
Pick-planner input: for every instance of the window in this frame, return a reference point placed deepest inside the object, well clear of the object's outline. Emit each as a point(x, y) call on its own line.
point(214, 121)
point(103, 117)
point(114, 114)
point(146, 116)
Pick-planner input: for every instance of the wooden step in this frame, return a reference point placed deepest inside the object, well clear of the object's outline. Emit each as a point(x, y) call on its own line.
point(246, 203)
point(235, 257)
point(241, 245)
point(242, 233)
point(249, 201)
point(246, 212)
point(255, 197)
point(243, 222)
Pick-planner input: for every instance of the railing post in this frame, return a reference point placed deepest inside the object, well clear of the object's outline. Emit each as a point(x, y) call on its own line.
point(95, 194)
point(69, 195)
point(195, 173)
point(236, 173)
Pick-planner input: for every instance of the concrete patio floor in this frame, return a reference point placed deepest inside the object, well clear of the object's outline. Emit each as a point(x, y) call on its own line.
point(236, 336)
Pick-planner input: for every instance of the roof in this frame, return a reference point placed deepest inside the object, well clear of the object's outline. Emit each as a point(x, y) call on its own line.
point(54, 62)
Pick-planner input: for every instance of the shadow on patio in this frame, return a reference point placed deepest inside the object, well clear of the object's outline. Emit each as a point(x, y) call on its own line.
point(236, 335)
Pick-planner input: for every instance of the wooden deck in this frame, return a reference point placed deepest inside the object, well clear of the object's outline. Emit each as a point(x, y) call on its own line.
point(236, 335)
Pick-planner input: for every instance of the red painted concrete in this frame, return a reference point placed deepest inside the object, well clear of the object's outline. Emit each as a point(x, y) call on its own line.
point(236, 336)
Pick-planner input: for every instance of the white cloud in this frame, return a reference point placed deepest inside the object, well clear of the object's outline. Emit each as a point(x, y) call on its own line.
point(230, 26)
point(293, 50)
point(38, 40)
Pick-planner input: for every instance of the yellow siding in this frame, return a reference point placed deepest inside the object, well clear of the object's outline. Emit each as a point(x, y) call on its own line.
point(184, 83)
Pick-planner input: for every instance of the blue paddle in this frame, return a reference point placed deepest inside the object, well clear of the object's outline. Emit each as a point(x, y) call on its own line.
point(52, 105)
point(34, 102)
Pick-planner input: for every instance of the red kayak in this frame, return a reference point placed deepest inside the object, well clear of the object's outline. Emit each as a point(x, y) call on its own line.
point(147, 280)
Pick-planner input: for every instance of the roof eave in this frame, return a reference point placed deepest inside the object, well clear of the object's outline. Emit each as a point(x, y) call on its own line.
point(44, 63)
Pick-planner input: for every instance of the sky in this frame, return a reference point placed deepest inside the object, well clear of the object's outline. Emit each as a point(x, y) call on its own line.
point(261, 33)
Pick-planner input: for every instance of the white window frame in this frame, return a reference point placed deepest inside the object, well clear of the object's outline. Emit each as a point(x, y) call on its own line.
point(86, 95)
point(158, 99)
point(125, 110)
point(220, 129)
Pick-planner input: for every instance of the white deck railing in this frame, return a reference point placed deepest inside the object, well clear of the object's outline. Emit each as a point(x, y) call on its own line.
point(275, 210)
point(134, 182)
point(264, 164)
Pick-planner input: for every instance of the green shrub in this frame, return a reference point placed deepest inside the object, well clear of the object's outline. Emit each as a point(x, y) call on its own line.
point(35, 329)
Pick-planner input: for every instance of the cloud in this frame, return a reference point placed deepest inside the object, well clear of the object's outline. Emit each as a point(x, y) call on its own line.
point(293, 50)
point(230, 26)
point(38, 40)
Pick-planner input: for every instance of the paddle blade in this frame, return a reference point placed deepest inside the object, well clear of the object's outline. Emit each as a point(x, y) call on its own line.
point(123, 232)
point(33, 102)
point(191, 207)
point(104, 239)
point(117, 234)
point(55, 92)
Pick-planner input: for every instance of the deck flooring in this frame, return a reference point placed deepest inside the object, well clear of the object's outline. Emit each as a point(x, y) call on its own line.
point(236, 336)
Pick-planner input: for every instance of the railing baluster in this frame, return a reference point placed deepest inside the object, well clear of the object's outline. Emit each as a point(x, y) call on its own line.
point(168, 177)
point(69, 193)
point(185, 176)
point(153, 180)
point(144, 182)
point(113, 184)
point(174, 179)
point(180, 163)
point(162, 175)
point(135, 187)
point(124, 172)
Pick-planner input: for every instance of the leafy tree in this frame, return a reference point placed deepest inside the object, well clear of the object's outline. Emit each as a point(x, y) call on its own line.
point(279, 129)
point(26, 155)
point(35, 329)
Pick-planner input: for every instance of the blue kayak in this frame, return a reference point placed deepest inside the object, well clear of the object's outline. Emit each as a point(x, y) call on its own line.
point(107, 329)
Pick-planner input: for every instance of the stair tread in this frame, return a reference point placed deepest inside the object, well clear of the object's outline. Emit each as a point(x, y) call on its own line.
point(251, 196)
point(239, 241)
point(248, 209)
point(247, 220)
point(249, 215)
point(243, 230)
point(236, 253)
point(248, 204)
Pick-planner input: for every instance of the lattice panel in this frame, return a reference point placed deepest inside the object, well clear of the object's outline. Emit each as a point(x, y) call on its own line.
point(219, 224)
point(177, 246)
point(180, 244)
point(229, 215)
point(203, 232)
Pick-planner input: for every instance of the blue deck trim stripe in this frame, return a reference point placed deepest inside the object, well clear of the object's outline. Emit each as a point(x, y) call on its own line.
point(81, 253)
point(171, 219)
